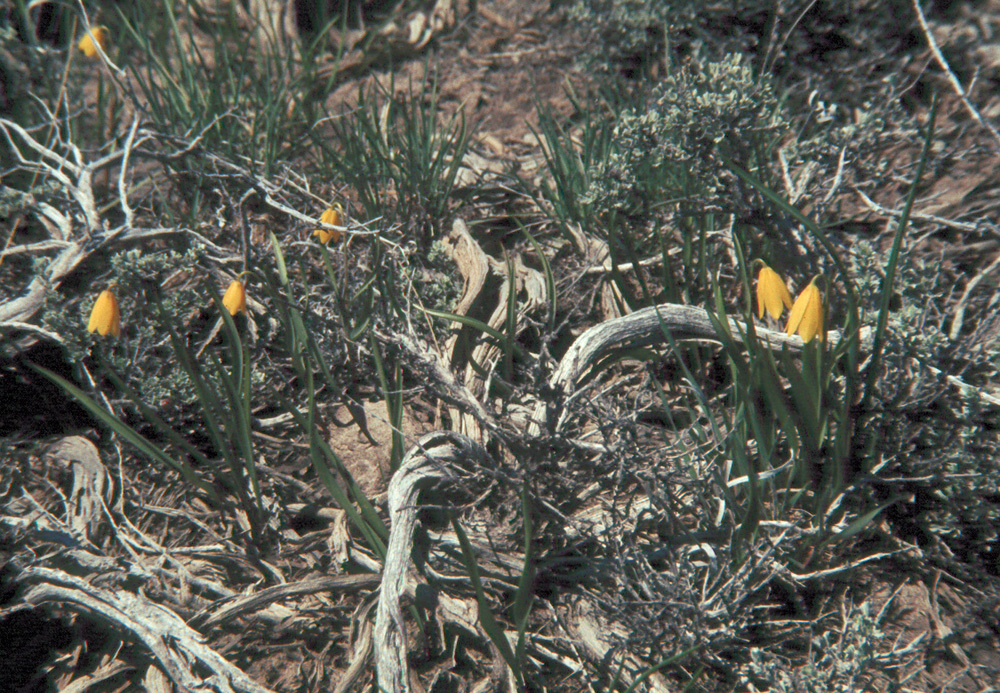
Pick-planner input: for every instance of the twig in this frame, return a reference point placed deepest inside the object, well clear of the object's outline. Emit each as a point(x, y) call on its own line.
point(455, 392)
point(956, 323)
point(76, 178)
point(939, 56)
point(122, 188)
point(950, 223)
point(230, 609)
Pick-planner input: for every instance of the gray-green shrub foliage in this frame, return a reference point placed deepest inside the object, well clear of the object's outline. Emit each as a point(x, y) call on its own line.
point(667, 150)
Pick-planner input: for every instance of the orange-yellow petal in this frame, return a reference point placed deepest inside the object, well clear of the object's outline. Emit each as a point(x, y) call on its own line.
point(100, 35)
point(772, 294)
point(105, 317)
point(235, 300)
point(335, 217)
point(806, 316)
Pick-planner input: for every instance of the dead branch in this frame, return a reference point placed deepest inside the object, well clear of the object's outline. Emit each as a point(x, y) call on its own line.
point(645, 327)
point(91, 484)
point(943, 64)
point(435, 456)
point(229, 609)
point(68, 168)
point(168, 638)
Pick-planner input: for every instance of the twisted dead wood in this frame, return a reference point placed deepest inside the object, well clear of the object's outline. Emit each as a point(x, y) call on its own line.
point(435, 456)
point(649, 326)
point(179, 649)
point(482, 274)
point(75, 241)
point(646, 327)
point(91, 484)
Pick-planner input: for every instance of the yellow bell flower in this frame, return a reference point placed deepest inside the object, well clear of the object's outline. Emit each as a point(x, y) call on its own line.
point(806, 316)
point(772, 294)
point(335, 217)
point(100, 35)
point(235, 300)
point(105, 317)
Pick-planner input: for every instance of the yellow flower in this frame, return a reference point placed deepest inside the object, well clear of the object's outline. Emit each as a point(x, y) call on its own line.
point(235, 299)
point(100, 35)
point(335, 217)
point(105, 317)
point(772, 294)
point(806, 316)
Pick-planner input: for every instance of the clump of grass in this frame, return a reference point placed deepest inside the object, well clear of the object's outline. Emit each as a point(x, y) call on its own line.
point(652, 179)
point(204, 84)
point(397, 158)
point(221, 379)
point(573, 152)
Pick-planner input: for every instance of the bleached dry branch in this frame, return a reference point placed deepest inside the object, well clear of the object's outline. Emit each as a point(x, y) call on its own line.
point(77, 233)
point(178, 648)
point(436, 456)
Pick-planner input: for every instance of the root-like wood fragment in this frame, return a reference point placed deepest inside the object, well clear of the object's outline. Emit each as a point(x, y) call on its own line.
point(179, 649)
point(436, 456)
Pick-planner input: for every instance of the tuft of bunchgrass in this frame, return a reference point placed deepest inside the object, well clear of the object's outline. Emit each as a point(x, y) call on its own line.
point(195, 82)
point(573, 150)
point(396, 157)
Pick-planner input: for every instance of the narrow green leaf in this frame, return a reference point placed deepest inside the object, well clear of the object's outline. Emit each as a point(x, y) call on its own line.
point(510, 323)
point(321, 457)
point(279, 259)
point(890, 271)
point(525, 595)
point(656, 667)
point(486, 618)
point(550, 282)
point(782, 204)
point(124, 431)
point(237, 388)
point(151, 415)
point(479, 325)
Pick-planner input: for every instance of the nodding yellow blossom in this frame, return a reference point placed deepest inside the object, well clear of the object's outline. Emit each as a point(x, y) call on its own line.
point(105, 317)
point(806, 316)
point(335, 217)
point(772, 294)
point(235, 300)
point(100, 35)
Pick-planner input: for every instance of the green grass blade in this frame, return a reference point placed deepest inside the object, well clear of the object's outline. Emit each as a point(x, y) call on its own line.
point(890, 270)
point(392, 393)
point(324, 461)
point(525, 585)
point(478, 325)
point(152, 416)
point(510, 323)
point(237, 387)
point(124, 431)
point(656, 667)
point(789, 209)
point(550, 282)
point(279, 259)
point(489, 623)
